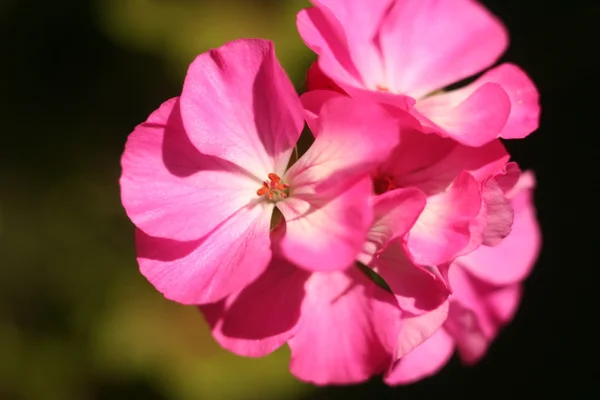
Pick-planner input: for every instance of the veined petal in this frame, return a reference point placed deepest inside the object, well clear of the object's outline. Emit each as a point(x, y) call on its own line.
point(213, 267)
point(395, 212)
point(429, 44)
point(471, 118)
point(324, 35)
point(349, 55)
point(327, 234)
point(239, 105)
point(354, 138)
point(440, 161)
point(344, 330)
point(477, 312)
point(524, 99)
point(312, 102)
point(417, 290)
point(263, 316)
point(416, 329)
point(167, 186)
point(442, 230)
point(512, 259)
point(469, 320)
point(425, 360)
point(499, 213)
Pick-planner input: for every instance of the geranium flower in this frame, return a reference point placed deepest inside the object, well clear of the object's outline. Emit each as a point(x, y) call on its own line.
point(203, 175)
point(487, 287)
point(463, 188)
point(403, 52)
point(341, 326)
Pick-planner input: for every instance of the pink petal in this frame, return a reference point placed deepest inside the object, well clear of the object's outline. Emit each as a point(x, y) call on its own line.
point(477, 312)
point(469, 320)
point(341, 337)
point(349, 57)
point(524, 98)
point(254, 322)
point(395, 212)
point(464, 326)
point(312, 102)
point(324, 35)
point(508, 177)
point(472, 118)
point(345, 54)
point(498, 212)
point(503, 303)
point(166, 182)
point(328, 212)
point(327, 234)
point(415, 330)
point(346, 147)
point(208, 269)
point(429, 44)
point(239, 105)
point(512, 259)
point(425, 360)
point(417, 290)
point(443, 229)
point(440, 160)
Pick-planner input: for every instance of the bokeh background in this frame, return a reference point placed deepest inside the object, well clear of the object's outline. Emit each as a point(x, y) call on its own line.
point(77, 320)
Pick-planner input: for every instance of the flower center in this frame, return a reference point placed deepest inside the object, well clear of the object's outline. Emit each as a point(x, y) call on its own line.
point(382, 184)
point(274, 189)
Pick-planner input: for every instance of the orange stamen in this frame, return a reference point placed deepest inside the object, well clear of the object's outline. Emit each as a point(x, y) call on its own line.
point(273, 188)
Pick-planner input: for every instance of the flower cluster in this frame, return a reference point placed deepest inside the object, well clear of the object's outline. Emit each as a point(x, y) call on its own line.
point(404, 231)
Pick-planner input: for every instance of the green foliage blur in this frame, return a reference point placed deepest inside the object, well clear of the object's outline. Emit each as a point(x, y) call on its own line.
point(77, 320)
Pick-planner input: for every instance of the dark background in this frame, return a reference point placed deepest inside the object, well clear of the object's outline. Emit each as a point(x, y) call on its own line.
point(76, 319)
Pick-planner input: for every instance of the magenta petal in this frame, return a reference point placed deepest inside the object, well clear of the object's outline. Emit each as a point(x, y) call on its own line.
point(425, 360)
point(472, 118)
point(415, 330)
point(312, 102)
point(211, 268)
point(239, 105)
point(166, 182)
point(329, 212)
point(435, 167)
point(342, 34)
point(324, 35)
point(498, 212)
point(417, 290)
point(512, 259)
point(429, 44)
point(342, 334)
point(477, 312)
point(443, 229)
point(255, 322)
point(395, 212)
point(524, 99)
point(354, 137)
point(327, 234)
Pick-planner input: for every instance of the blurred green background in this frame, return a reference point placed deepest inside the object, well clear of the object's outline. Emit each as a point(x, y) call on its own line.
point(77, 320)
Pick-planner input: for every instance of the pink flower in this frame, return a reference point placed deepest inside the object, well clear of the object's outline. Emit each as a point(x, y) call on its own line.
point(402, 52)
point(463, 188)
point(341, 327)
point(203, 175)
point(486, 288)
